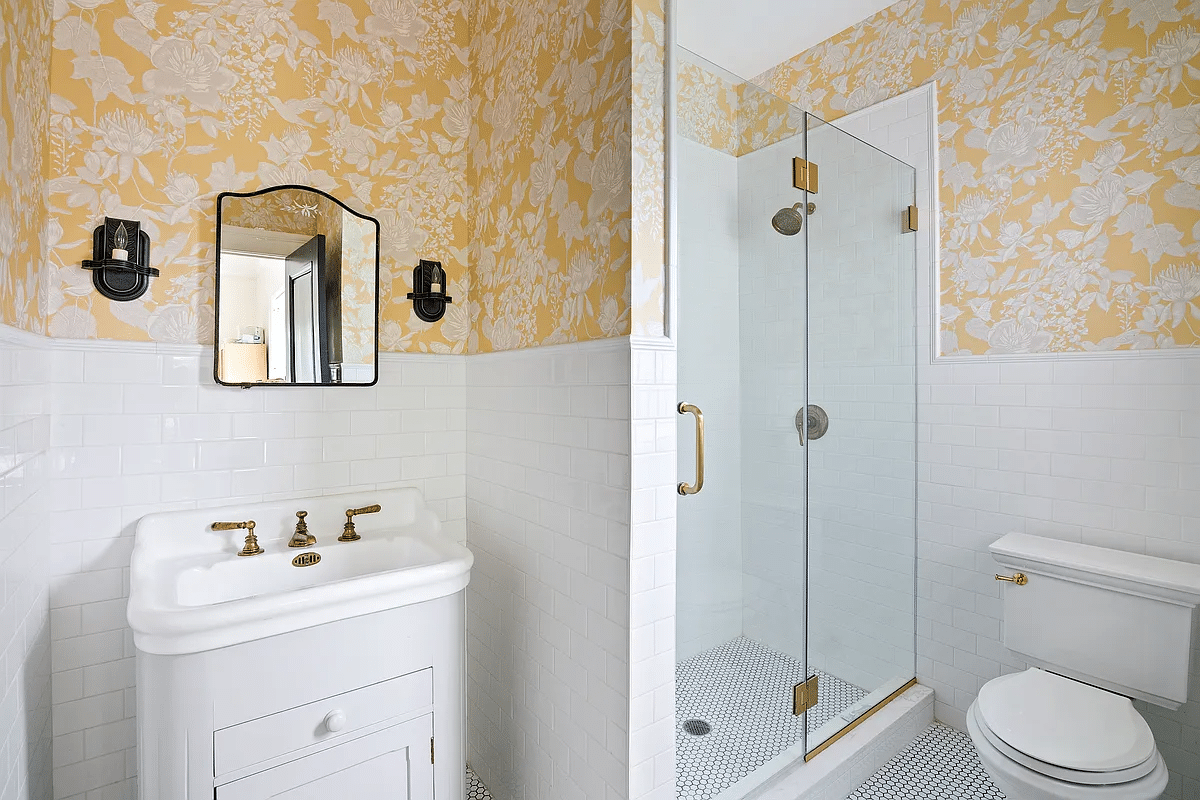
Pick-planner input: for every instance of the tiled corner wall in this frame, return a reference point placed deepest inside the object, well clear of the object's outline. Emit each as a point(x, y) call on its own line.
point(771, 281)
point(141, 428)
point(652, 571)
point(24, 611)
point(710, 596)
point(548, 477)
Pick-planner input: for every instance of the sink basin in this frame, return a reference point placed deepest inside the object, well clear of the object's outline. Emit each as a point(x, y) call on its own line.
point(190, 591)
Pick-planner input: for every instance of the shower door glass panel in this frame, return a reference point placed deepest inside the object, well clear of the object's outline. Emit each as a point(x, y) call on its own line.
point(861, 474)
point(740, 348)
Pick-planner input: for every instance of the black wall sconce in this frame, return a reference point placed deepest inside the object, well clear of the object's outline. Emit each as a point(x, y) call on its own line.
point(429, 291)
point(120, 262)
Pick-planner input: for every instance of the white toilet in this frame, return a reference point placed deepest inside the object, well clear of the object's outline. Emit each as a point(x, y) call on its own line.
point(1101, 626)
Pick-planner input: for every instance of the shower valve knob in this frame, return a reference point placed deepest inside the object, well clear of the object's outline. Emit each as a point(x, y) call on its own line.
point(814, 426)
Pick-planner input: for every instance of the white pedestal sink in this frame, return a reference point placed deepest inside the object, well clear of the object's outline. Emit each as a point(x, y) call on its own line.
point(258, 678)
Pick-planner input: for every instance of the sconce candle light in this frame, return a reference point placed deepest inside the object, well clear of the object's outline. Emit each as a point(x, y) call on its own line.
point(429, 291)
point(120, 262)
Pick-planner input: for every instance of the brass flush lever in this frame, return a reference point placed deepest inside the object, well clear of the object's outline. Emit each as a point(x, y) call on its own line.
point(302, 538)
point(251, 547)
point(1019, 578)
point(348, 532)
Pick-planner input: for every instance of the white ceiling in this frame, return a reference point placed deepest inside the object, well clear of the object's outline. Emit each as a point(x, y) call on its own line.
point(748, 37)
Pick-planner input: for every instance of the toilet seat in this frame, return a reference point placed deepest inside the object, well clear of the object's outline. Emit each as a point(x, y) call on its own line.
point(1064, 729)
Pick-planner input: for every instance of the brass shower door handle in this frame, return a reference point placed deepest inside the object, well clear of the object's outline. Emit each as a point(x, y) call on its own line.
point(692, 488)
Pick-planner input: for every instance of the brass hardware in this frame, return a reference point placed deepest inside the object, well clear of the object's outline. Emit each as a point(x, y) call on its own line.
point(804, 695)
point(431, 750)
point(805, 175)
point(306, 559)
point(688, 488)
point(348, 532)
point(302, 538)
point(910, 220)
point(1019, 578)
point(251, 547)
point(866, 715)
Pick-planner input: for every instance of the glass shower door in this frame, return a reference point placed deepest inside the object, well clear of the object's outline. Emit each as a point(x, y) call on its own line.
point(861, 471)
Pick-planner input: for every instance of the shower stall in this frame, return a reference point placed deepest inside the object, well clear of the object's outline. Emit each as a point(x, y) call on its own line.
point(796, 297)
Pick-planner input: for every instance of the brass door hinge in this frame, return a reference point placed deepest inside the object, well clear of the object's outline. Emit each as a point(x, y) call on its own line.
point(804, 695)
point(431, 750)
point(804, 175)
point(910, 220)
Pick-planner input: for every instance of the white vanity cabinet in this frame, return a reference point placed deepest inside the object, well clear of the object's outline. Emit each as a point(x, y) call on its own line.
point(369, 707)
point(330, 677)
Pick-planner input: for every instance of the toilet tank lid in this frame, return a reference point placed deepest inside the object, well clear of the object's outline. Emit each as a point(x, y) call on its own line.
point(1177, 581)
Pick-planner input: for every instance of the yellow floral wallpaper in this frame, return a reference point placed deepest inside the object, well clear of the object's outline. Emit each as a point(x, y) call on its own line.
point(550, 172)
point(358, 289)
point(24, 110)
point(1070, 161)
point(706, 105)
point(648, 280)
point(284, 210)
point(158, 106)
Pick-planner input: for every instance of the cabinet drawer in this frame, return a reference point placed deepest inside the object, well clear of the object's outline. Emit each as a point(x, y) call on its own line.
point(330, 719)
point(391, 764)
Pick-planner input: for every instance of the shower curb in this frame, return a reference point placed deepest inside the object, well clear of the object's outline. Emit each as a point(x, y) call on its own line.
point(854, 758)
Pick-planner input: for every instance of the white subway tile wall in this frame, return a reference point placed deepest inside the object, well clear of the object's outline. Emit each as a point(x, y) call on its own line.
point(548, 639)
point(771, 282)
point(710, 524)
point(652, 572)
point(139, 428)
point(25, 723)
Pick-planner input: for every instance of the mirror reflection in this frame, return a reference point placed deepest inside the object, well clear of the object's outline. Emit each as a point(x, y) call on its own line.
point(297, 278)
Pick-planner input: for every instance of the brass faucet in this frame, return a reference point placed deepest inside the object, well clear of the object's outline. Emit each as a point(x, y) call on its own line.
point(348, 532)
point(302, 538)
point(251, 547)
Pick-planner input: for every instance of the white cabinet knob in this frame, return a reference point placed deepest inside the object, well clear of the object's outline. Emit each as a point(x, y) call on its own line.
point(335, 721)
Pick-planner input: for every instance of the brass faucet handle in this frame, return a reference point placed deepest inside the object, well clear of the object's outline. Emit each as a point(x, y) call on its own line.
point(302, 538)
point(251, 547)
point(348, 532)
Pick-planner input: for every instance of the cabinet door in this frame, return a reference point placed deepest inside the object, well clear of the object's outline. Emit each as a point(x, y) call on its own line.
point(392, 764)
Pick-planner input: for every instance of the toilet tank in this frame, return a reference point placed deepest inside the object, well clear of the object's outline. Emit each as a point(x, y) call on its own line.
point(1120, 621)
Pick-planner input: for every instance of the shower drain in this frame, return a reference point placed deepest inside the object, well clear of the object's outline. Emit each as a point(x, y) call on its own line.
point(697, 727)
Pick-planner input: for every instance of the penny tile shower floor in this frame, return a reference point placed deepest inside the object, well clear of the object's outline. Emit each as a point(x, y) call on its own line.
point(475, 788)
point(940, 764)
point(743, 690)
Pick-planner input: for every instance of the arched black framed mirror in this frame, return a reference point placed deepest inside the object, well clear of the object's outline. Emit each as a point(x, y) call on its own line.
point(297, 287)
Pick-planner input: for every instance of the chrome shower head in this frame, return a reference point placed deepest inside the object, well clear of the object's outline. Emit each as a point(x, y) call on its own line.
point(789, 221)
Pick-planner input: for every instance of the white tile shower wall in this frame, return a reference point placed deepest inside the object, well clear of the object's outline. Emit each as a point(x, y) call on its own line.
point(1099, 449)
point(772, 300)
point(862, 372)
point(710, 555)
point(548, 477)
point(653, 610)
point(24, 611)
point(140, 428)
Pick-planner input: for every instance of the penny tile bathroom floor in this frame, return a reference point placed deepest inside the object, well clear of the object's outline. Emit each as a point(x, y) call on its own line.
point(940, 764)
point(475, 788)
point(743, 691)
